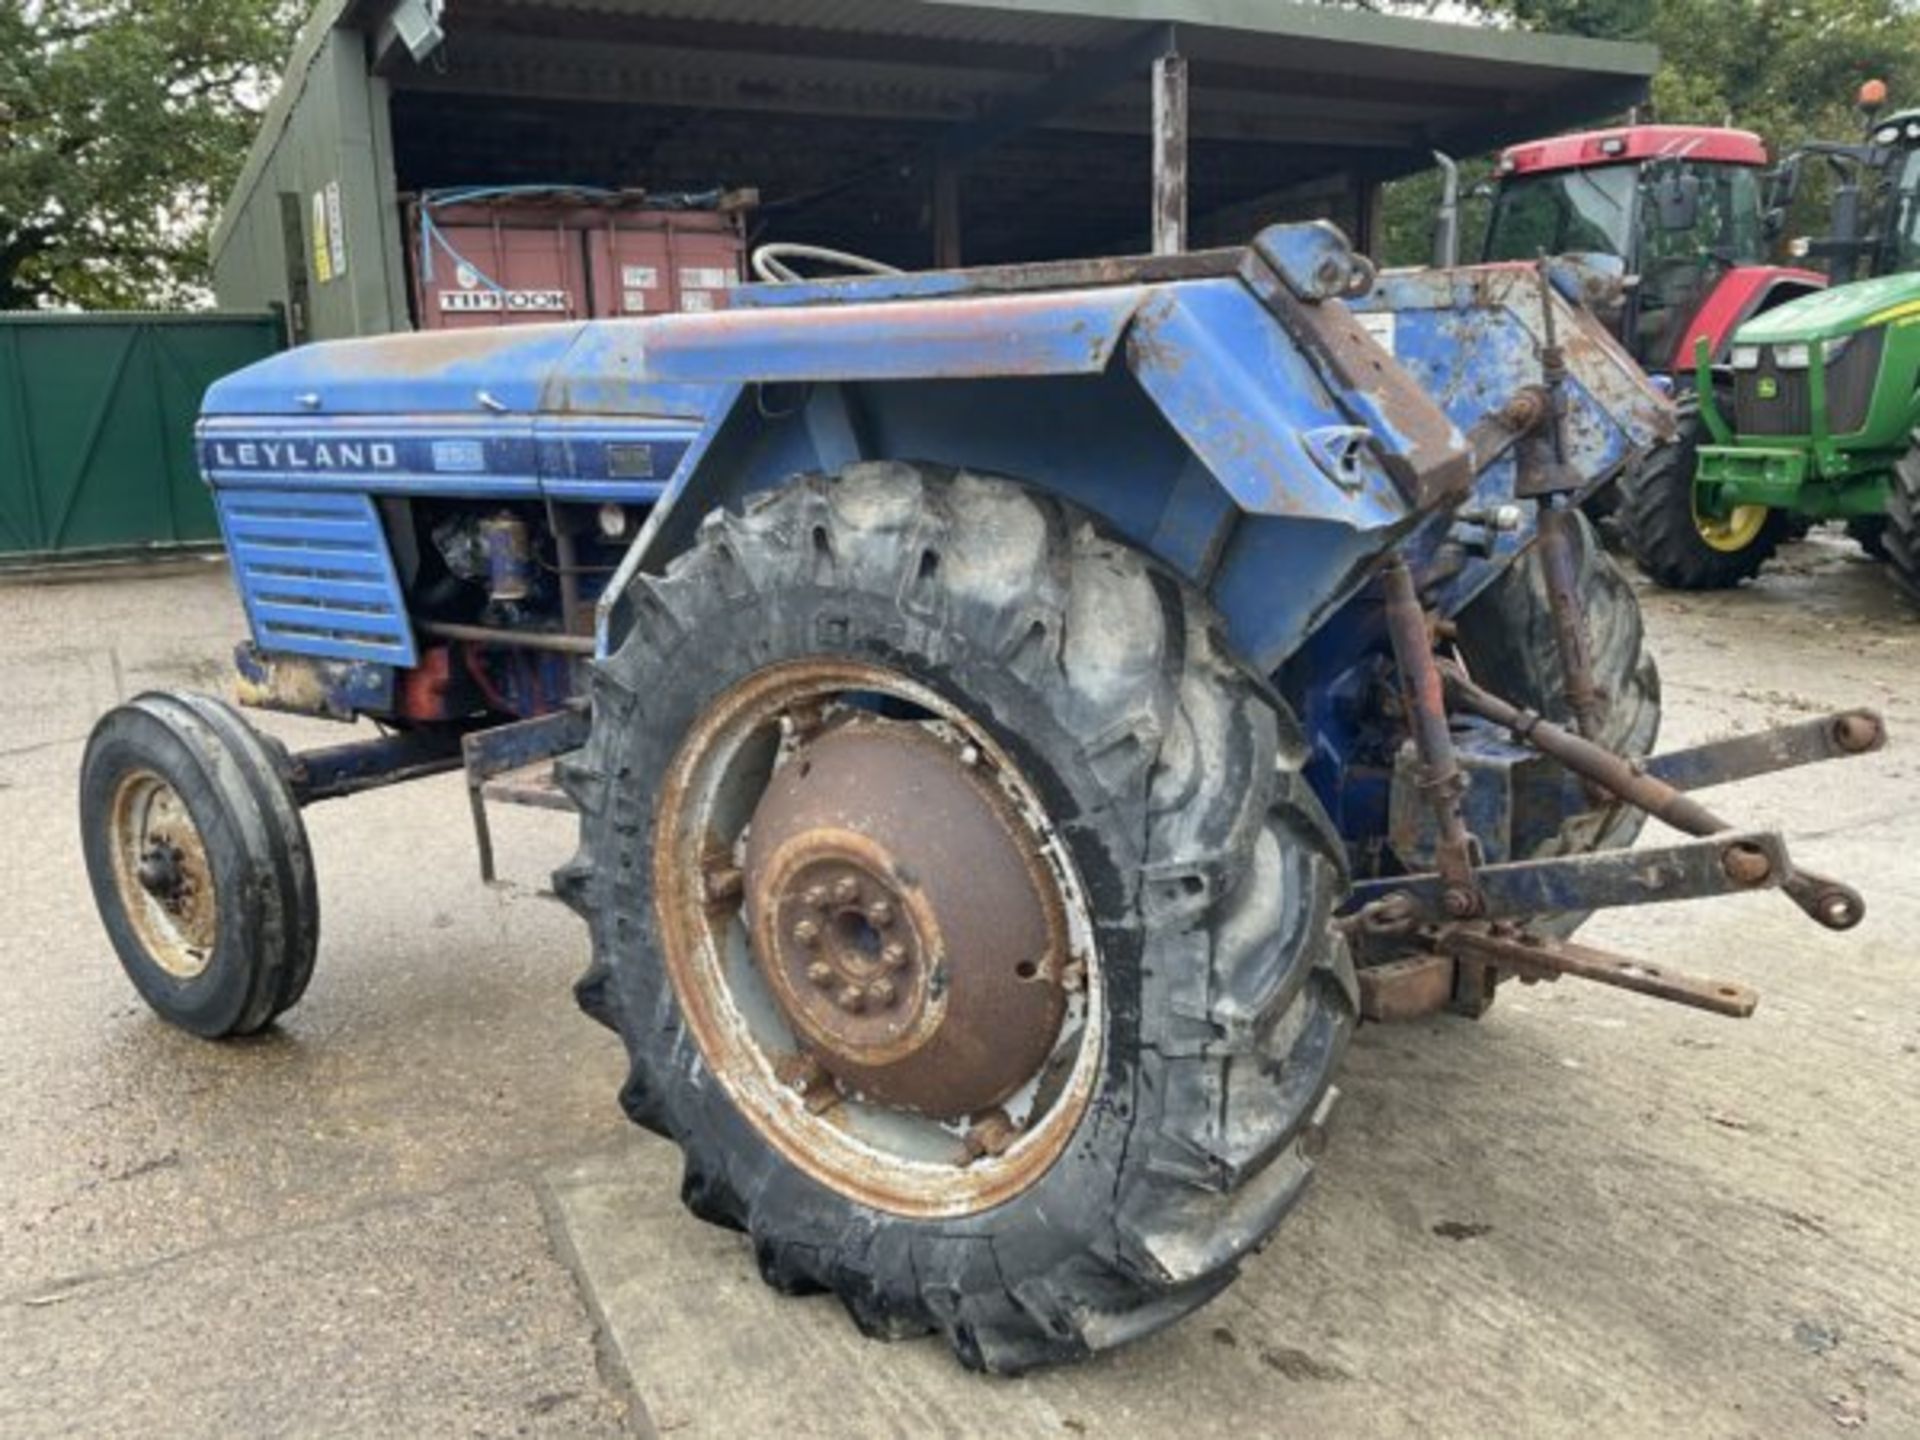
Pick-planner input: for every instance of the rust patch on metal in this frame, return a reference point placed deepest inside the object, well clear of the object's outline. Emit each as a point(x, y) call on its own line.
point(429, 353)
point(905, 926)
point(1568, 612)
point(1536, 957)
point(1406, 989)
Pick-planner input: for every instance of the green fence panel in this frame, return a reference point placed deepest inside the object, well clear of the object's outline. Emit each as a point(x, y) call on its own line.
point(96, 426)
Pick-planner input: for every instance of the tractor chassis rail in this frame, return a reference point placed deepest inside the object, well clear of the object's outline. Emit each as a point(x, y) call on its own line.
point(508, 763)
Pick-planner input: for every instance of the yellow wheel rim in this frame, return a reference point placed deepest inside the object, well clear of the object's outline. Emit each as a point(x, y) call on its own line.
point(1735, 530)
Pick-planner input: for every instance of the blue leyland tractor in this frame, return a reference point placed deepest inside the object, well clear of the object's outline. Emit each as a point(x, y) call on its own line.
point(1021, 721)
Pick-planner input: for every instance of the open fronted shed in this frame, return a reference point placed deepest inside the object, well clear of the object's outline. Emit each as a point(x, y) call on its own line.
point(919, 132)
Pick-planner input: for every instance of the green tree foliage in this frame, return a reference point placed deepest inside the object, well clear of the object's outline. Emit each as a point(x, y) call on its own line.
point(122, 123)
point(1788, 69)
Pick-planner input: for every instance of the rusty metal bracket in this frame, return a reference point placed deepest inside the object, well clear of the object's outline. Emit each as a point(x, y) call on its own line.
point(498, 763)
point(1722, 864)
point(1545, 959)
point(1571, 637)
point(1542, 468)
point(1461, 964)
point(1424, 700)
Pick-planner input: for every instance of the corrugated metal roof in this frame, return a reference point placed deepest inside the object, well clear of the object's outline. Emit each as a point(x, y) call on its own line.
point(1356, 89)
point(1076, 24)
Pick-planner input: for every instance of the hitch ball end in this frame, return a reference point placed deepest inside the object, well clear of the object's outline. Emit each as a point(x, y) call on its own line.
point(1858, 731)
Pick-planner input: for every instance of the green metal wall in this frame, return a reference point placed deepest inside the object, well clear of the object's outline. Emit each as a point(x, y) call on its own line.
point(96, 426)
point(330, 149)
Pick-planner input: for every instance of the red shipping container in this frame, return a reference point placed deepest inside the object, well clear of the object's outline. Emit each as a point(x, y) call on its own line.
point(529, 258)
point(644, 262)
point(499, 263)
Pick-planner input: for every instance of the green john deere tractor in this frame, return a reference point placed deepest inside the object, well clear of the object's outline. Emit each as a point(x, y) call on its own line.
point(1813, 413)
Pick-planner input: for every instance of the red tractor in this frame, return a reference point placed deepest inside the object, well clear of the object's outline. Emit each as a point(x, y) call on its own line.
point(1681, 209)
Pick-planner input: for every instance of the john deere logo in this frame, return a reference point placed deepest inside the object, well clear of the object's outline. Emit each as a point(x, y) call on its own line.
point(1769, 387)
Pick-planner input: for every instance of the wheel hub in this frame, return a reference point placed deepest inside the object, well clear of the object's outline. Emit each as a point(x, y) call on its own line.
point(159, 871)
point(164, 874)
point(905, 925)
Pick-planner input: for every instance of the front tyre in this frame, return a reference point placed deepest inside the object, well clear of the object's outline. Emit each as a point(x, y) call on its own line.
point(1677, 545)
point(199, 862)
point(963, 912)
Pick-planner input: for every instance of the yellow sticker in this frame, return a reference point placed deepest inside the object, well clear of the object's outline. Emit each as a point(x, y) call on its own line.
point(322, 250)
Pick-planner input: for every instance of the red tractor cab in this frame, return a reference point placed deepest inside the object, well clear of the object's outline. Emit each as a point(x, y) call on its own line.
point(1682, 207)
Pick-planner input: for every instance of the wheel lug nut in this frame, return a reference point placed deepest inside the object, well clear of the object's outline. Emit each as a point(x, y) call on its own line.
point(846, 890)
point(815, 897)
point(881, 991)
point(893, 955)
point(820, 973)
point(880, 914)
point(806, 932)
point(852, 999)
point(991, 1134)
point(721, 882)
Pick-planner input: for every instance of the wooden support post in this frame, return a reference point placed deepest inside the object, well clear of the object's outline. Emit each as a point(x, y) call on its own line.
point(1169, 154)
point(946, 214)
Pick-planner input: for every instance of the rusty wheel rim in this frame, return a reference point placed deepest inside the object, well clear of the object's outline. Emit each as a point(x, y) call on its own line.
point(906, 1043)
point(163, 874)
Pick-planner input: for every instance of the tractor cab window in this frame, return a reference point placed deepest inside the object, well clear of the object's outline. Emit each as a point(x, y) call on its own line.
point(1563, 212)
point(1903, 206)
point(1727, 224)
point(1678, 265)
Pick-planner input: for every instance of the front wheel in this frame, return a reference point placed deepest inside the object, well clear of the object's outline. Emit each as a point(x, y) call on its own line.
point(199, 863)
point(963, 911)
point(1673, 541)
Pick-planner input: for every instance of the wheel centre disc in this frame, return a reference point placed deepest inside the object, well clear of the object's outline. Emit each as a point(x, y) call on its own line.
point(904, 919)
point(164, 875)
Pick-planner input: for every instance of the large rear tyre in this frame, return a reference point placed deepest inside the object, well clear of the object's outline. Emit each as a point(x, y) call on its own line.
point(860, 740)
point(1506, 639)
point(1673, 543)
point(199, 862)
point(1900, 533)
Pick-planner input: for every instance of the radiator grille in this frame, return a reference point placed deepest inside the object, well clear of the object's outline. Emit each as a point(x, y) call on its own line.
point(1771, 401)
point(1850, 381)
point(316, 575)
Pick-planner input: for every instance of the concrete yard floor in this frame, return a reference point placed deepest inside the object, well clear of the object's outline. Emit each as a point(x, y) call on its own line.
point(414, 1208)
